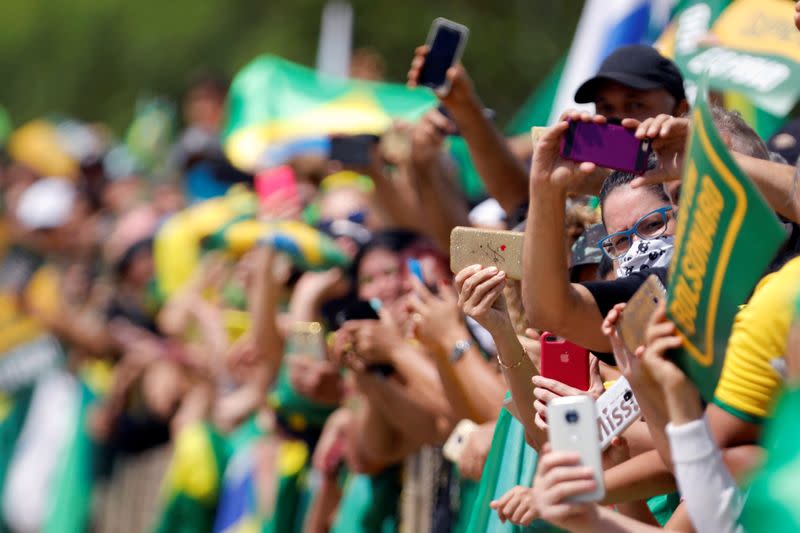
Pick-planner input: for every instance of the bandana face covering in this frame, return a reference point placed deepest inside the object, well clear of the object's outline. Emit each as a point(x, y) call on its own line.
point(646, 254)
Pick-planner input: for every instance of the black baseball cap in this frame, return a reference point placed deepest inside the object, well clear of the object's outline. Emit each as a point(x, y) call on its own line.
point(637, 66)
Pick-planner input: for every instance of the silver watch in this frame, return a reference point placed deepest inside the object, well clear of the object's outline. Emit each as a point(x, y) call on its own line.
point(459, 349)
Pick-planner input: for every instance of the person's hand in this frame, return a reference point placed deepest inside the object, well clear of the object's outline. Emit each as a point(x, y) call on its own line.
point(627, 363)
point(669, 136)
point(548, 167)
point(462, 91)
point(435, 317)
point(316, 380)
point(361, 343)
point(330, 449)
point(531, 344)
point(480, 296)
point(427, 138)
point(617, 453)
point(475, 451)
point(518, 506)
point(661, 336)
point(319, 287)
point(546, 389)
point(559, 476)
point(395, 144)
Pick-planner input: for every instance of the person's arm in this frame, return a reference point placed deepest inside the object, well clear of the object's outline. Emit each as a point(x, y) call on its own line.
point(267, 338)
point(643, 476)
point(710, 494)
point(433, 180)
point(776, 181)
point(551, 302)
point(502, 174)
point(471, 384)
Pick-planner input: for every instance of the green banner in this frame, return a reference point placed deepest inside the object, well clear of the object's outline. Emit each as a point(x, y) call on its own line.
point(726, 237)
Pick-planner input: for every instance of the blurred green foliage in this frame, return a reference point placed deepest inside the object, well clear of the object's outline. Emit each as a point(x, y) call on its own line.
point(92, 58)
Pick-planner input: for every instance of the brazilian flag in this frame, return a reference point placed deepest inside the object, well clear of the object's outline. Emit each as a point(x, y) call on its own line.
point(273, 102)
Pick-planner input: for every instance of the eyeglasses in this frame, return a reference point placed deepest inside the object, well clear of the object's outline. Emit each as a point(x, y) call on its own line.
point(650, 226)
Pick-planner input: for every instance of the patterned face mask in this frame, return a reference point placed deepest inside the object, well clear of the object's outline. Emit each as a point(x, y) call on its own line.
point(646, 254)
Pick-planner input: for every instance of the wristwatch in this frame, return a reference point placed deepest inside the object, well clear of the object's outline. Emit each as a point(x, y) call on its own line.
point(459, 349)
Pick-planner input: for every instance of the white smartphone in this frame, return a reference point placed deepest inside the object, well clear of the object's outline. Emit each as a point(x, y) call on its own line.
point(454, 446)
point(446, 42)
point(572, 425)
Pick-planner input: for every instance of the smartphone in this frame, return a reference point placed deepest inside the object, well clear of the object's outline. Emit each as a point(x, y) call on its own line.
point(415, 269)
point(606, 145)
point(564, 361)
point(306, 338)
point(633, 322)
point(498, 248)
point(446, 42)
point(274, 180)
point(356, 310)
point(454, 446)
point(354, 150)
point(617, 409)
point(572, 427)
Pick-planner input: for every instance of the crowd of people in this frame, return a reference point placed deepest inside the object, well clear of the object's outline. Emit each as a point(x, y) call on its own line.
point(308, 380)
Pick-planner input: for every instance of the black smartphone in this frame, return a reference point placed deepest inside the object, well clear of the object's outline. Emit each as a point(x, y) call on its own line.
point(446, 42)
point(355, 150)
point(363, 310)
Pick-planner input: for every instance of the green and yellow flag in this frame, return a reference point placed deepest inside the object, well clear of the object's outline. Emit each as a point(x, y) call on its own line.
point(273, 102)
point(726, 237)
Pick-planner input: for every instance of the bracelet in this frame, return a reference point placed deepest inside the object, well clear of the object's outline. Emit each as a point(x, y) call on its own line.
point(510, 367)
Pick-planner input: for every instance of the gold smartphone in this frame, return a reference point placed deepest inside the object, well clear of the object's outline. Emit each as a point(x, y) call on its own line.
point(473, 246)
point(633, 322)
point(306, 338)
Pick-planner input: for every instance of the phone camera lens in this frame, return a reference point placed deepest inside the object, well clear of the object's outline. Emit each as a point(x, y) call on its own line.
point(627, 396)
point(550, 338)
point(571, 417)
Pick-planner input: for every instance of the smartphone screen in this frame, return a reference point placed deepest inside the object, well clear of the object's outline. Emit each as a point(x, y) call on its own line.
point(353, 149)
point(444, 48)
point(606, 145)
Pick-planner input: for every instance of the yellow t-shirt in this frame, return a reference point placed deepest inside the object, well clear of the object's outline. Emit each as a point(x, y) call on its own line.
point(748, 383)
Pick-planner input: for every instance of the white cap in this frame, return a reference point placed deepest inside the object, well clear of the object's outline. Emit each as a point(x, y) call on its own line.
point(47, 203)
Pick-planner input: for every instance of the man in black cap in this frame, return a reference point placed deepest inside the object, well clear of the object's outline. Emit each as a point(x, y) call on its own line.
point(635, 81)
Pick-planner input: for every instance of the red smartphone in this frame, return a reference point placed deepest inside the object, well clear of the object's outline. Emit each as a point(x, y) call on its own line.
point(274, 180)
point(606, 145)
point(564, 361)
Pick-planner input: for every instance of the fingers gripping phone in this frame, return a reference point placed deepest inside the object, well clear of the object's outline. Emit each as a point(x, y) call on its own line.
point(572, 427)
point(446, 42)
point(637, 313)
point(564, 361)
point(606, 145)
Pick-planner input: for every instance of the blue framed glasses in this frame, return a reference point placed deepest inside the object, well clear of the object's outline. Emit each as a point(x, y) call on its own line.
point(650, 226)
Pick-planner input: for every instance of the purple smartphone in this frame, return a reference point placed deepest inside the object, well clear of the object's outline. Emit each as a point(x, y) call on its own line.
point(606, 145)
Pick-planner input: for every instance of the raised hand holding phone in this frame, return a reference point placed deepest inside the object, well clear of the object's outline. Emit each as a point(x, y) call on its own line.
point(606, 145)
point(573, 428)
point(446, 42)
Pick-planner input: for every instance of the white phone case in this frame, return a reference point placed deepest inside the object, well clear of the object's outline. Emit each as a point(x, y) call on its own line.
point(617, 409)
point(572, 425)
point(444, 89)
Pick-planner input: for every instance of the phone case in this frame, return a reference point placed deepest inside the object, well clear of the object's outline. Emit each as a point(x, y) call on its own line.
point(276, 179)
point(607, 145)
point(306, 338)
point(454, 446)
point(572, 427)
point(473, 246)
point(633, 322)
point(564, 361)
point(440, 22)
point(353, 149)
point(617, 409)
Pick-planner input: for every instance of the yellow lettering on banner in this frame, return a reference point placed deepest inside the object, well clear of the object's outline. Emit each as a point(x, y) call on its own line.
point(694, 260)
